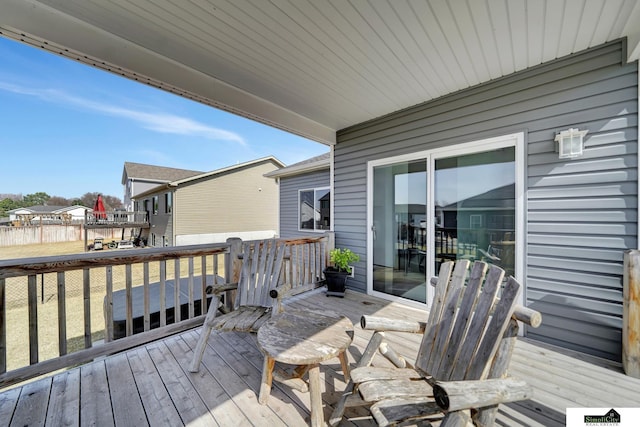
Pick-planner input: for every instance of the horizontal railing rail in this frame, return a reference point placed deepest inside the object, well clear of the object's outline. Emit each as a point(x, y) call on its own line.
point(60, 311)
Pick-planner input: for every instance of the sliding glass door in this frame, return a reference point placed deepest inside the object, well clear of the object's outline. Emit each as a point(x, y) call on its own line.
point(399, 229)
point(439, 205)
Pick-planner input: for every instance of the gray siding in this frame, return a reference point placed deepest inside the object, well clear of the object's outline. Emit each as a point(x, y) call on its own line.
point(289, 187)
point(581, 214)
point(161, 224)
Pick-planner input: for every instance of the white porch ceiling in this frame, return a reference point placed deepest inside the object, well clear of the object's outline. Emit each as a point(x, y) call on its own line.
point(313, 67)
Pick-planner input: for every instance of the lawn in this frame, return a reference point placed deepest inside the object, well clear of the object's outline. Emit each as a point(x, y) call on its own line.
point(48, 249)
point(47, 309)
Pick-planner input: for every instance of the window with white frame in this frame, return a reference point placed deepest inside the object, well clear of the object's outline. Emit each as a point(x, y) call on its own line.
point(314, 209)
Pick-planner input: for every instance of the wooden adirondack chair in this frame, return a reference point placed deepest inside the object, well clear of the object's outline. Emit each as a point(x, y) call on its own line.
point(462, 361)
point(258, 294)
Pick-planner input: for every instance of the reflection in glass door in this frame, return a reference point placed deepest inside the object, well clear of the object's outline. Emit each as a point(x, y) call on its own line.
point(399, 229)
point(475, 207)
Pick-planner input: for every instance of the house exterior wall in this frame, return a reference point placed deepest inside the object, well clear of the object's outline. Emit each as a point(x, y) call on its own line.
point(241, 202)
point(135, 187)
point(289, 188)
point(160, 223)
point(581, 214)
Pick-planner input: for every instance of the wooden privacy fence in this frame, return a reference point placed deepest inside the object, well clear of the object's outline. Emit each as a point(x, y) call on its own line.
point(39, 234)
point(129, 297)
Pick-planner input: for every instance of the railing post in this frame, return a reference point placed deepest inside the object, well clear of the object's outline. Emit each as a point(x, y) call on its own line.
point(631, 314)
point(331, 244)
point(3, 328)
point(232, 267)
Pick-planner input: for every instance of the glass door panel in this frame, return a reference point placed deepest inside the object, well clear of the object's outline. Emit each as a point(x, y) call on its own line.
point(399, 229)
point(475, 208)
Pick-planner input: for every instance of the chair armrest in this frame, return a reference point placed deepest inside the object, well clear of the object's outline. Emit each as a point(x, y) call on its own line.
point(459, 395)
point(393, 325)
point(280, 291)
point(218, 289)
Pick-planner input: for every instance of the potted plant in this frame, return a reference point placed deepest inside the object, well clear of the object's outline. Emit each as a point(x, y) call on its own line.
point(336, 275)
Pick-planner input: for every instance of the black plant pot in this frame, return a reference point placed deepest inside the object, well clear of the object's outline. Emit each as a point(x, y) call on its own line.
point(336, 282)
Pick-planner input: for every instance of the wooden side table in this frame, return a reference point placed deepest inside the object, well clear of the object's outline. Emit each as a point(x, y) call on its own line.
point(303, 338)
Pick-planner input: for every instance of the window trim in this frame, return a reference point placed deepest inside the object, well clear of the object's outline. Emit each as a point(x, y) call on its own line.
point(168, 202)
point(314, 189)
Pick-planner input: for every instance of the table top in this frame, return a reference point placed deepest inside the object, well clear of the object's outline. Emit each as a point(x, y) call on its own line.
point(305, 337)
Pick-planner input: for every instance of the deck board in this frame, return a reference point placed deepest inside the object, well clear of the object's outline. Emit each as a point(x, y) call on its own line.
point(151, 385)
point(223, 409)
point(64, 407)
point(32, 403)
point(156, 400)
point(125, 400)
point(94, 396)
point(8, 402)
point(221, 363)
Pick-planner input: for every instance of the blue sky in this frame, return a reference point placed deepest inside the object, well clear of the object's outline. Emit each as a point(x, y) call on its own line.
point(66, 128)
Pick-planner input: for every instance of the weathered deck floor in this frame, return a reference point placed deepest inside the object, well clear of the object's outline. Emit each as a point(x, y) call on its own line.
point(150, 385)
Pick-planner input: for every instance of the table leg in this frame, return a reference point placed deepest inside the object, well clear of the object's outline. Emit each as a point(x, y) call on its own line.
point(345, 365)
point(315, 393)
point(267, 379)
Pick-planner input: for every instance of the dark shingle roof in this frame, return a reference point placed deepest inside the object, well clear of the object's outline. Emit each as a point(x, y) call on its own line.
point(155, 173)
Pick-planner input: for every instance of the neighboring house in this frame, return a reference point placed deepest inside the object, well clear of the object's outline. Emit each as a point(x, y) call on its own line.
point(236, 201)
point(567, 221)
point(305, 197)
point(49, 214)
point(138, 178)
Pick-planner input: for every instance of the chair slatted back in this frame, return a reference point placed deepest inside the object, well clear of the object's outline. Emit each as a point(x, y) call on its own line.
point(466, 321)
point(260, 273)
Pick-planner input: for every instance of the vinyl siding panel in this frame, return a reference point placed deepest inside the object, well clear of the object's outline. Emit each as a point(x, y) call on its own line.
point(581, 214)
point(289, 187)
point(237, 201)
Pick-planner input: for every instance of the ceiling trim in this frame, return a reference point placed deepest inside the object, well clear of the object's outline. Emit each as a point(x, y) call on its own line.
point(39, 25)
point(632, 29)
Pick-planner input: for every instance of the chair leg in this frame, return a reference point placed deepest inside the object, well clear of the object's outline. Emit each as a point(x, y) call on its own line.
point(365, 360)
point(204, 334)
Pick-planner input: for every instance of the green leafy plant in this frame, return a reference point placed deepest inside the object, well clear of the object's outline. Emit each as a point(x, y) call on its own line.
point(341, 258)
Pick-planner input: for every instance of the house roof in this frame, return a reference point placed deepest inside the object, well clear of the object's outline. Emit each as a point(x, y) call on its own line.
point(316, 163)
point(313, 67)
point(496, 198)
point(141, 171)
point(211, 175)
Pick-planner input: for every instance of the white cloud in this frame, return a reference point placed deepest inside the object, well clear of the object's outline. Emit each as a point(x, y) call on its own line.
point(157, 122)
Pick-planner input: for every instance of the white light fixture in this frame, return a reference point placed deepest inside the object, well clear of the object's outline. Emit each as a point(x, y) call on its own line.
point(570, 143)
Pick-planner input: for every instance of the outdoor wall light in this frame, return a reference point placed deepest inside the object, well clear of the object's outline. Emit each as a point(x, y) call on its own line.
point(570, 143)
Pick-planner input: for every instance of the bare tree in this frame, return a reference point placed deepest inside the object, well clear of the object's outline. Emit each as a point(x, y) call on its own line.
point(58, 201)
point(112, 201)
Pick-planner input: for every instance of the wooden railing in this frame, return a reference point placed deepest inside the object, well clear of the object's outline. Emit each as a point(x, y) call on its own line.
point(103, 303)
point(111, 218)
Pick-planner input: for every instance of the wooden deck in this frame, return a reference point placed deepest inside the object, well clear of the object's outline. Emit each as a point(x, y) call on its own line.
point(150, 385)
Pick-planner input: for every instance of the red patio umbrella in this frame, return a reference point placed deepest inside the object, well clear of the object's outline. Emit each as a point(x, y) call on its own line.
point(99, 212)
